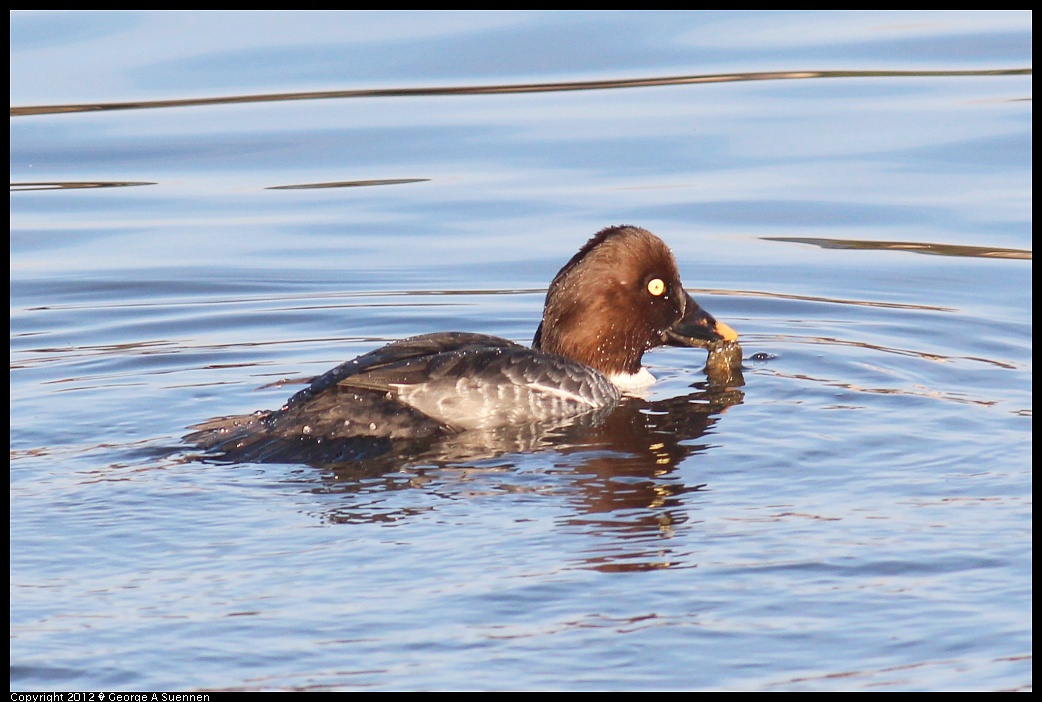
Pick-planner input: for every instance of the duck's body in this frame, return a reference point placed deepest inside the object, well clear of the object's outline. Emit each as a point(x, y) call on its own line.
point(618, 297)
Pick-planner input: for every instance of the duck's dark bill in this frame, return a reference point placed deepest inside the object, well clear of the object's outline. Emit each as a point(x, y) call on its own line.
point(697, 328)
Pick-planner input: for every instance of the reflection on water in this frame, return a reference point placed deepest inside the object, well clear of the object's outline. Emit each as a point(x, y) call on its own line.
point(616, 471)
point(68, 185)
point(507, 89)
point(58, 185)
point(910, 246)
point(348, 184)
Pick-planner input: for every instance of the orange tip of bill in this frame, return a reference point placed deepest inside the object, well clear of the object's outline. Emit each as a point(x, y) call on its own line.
point(727, 332)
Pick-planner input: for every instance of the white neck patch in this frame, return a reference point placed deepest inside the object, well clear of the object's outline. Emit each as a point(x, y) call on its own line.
point(629, 382)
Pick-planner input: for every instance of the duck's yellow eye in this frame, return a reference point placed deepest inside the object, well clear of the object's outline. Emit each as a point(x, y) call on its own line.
point(656, 287)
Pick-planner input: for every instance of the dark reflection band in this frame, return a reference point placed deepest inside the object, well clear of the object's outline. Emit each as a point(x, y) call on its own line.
point(505, 89)
point(74, 185)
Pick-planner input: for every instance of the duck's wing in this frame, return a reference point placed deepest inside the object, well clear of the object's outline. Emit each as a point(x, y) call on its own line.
point(414, 347)
point(325, 412)
point(334, 407)
point(413, 389)
point(481, 387)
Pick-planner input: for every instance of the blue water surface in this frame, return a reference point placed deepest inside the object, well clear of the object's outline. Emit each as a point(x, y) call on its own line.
point(209, 207)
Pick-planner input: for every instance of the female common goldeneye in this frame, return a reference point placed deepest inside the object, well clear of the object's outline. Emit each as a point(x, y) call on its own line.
point(618, 297)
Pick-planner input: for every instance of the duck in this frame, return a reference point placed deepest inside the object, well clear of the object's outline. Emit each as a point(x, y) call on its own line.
point(617, 298)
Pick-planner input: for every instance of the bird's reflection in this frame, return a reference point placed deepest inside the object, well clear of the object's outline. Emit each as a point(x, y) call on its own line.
point(616, 469)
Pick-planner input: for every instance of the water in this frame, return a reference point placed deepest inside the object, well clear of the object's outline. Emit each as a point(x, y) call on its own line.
point(856, 516)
